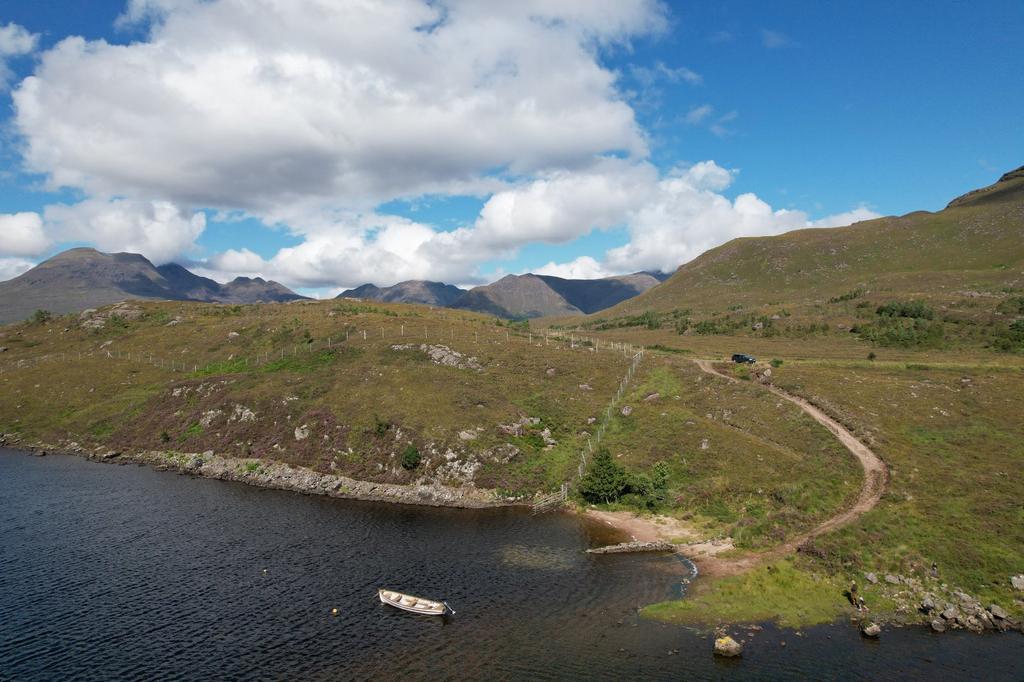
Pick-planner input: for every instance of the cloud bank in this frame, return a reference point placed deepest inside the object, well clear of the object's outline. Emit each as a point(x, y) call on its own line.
point(310, 114)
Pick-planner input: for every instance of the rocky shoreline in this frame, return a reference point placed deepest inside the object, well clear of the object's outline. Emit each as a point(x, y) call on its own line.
point(275, 475)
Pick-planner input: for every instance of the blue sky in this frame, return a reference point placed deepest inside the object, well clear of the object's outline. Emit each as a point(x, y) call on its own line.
point(818, 109)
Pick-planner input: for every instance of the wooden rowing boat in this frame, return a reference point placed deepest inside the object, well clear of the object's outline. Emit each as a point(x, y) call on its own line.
point(413, 604)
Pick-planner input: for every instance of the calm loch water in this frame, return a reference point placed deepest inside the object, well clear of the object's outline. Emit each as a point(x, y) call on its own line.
point(111, 572)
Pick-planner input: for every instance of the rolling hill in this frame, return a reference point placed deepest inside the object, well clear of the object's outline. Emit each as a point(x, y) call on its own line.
point(529, 296)
point(85, 278)
point(412, 291)
point(974, 245)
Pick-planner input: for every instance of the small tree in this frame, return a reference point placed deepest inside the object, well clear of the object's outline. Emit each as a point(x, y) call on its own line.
point(411, 458)
point(40, 316)
point(605, 479)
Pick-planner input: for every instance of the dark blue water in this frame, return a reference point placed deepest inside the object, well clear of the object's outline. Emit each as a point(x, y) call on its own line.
point(128, 573)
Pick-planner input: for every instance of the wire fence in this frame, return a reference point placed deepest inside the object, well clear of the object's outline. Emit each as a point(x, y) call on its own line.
point(598, 435)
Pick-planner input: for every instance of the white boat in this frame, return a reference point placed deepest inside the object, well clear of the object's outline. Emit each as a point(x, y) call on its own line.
point(413, 604)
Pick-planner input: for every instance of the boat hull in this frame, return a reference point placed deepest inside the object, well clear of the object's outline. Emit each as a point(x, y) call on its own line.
point(424, 607)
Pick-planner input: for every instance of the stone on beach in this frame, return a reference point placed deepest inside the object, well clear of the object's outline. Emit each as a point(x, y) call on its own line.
point(728, 647)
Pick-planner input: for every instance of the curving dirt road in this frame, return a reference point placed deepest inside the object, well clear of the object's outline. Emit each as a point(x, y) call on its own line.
point(876, 476)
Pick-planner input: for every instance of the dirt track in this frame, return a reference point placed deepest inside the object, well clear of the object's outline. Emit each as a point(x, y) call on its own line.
point(876, 475)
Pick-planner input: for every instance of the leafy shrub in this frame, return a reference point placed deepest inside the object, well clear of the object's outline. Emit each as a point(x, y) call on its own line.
point(668, 349)
point(893, 332)
point(411, 458)
point(40, 316)
point(848, 296)
point(706, 328)
point(776, 363)
point(1013, 306)
point(380, 426)
point(913, 309)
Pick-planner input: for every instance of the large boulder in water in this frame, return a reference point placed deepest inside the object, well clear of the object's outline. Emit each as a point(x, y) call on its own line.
point(871, 630)
point(728, 647)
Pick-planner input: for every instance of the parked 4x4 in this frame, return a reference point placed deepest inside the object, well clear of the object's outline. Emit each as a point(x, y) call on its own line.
point(742, 358)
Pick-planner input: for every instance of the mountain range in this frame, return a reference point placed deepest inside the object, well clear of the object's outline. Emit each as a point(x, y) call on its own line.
point(529, 296)
point(975, 244)
point(517, 296)
point(86, 278)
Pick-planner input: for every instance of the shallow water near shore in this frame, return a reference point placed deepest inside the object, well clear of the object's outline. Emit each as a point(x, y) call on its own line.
point(129, 573)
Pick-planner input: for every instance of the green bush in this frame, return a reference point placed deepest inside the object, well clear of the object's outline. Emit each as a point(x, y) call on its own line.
point(605, 479)
point(706, 328)
point(411, 458)
point(848, 296)
point(913, 309)
point(776, 363)
point(904, 333)
point(40, 316)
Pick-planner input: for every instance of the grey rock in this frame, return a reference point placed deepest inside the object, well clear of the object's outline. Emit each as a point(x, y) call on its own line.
point(728, 647)
point(871, 630)
point(938, 625)
point(652, 397)
point(627, 410)
point(301, 432)
point(928, 605)
point(634, 546)
point(891, 579)
point(871, 578)
point(951, 613)
point(1018, 582)
point(997, 611)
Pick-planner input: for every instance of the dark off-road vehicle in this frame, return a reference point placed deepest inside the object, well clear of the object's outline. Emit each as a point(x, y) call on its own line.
point(743, 358)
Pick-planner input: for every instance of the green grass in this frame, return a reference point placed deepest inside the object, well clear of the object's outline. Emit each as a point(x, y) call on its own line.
point(778, 592)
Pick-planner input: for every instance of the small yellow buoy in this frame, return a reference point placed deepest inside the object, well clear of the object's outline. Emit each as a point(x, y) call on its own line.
point(334, 612)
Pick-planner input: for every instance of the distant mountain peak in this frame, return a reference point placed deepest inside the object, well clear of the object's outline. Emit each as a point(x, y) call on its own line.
point(83, 277)
point(419, 291)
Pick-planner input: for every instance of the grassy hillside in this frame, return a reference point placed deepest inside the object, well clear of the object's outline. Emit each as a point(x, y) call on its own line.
point(300, 384)
point(963, 269)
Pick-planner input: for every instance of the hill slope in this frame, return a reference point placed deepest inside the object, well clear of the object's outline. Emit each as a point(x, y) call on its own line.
point(528, 296)
point(412, 291)
point(975, 243)
point(85, 278)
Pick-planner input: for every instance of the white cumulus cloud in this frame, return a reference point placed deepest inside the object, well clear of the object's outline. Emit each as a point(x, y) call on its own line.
point(158, 230)
point(12, 267)
point(15, 41)
point(21, 234)
point(266, 104)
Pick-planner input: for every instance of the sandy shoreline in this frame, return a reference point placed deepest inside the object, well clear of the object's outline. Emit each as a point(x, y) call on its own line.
point(657, 528)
